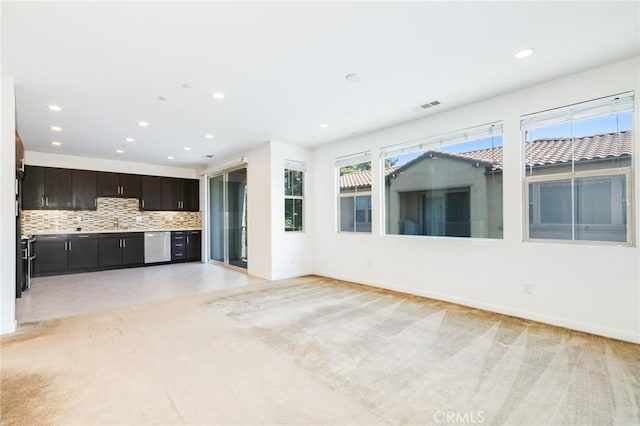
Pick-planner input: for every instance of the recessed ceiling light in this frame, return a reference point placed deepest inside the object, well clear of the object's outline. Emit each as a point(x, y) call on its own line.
point(352, 77)
point(129, 139)
point(324, 125)
point(56, 143)
point(185, 85)
point(54, 107)
point(56, 128)
point(218, 95)
point(187, 148)
point(524, 53)
point(143, 124)
point(208, 136)
point(170, 157)
point(120, 151)
point(162, 98)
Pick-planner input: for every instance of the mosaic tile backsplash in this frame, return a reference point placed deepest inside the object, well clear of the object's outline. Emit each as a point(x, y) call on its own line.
point(110, 211)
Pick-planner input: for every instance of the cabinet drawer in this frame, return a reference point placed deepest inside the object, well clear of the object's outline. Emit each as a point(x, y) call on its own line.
point(83, 236)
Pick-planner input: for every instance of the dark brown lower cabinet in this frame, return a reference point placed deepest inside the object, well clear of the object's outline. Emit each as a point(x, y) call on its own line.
point(67, 253)
point(121, 249)
point(61, 253)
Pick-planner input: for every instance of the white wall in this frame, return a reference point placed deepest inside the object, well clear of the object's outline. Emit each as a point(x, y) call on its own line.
point(7, 211)
point(291, 251)
point(272, 252)
point(259, 253)
point(586, 287)
point(35, 158)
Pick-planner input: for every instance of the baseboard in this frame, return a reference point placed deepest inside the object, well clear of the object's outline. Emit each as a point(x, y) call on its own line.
point(505, 310)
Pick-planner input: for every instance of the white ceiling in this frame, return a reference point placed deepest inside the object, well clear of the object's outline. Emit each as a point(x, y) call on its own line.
point(282, 67)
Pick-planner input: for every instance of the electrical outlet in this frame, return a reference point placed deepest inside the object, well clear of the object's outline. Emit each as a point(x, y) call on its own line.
point(527, 288)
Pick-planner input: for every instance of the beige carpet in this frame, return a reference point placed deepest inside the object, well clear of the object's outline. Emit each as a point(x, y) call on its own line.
point(313, 351)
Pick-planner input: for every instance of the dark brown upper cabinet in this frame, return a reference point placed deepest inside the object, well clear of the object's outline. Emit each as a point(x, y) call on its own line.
point(46, 188)
point(118, 185)
point(84, 189)
point(151, 198)
point(189, 195)
point(170, 194)
point(19, 156)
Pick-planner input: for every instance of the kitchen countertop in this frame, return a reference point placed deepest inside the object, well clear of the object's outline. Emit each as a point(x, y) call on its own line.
point(109, 231)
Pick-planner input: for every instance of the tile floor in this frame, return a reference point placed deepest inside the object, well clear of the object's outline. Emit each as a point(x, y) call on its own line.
point(67, 295)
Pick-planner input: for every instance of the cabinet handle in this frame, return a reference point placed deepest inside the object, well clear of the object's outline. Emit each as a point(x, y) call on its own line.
point(69, 245)
point(120, 243)
point(124, 243)
point(46, 201)
point(187, 239)
point(143, 203)
point(65, 245)
point(42, 201)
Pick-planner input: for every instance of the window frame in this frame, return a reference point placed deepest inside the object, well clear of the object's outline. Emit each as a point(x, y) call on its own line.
point(434, 143)
point(572, 176)
point(354, 195)
point(294, 197)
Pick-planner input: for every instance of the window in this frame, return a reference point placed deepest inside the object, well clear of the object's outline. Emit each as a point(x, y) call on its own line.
point(354, 189)
point(578, 163)
point(449, 185)
point(293, 197)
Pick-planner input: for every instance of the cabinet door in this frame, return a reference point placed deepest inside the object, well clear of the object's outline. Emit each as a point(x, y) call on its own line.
point(51, 255)
point(130, 186)
point(151, 198)
point(108, 184)
point(133, 251)
point(110, 251)
point(191, 195)
point(57, 188)
point(84, 189)
point(83, 252)
point(33, 188)
point(19, 155)
point(169, 194)
point(193, 245)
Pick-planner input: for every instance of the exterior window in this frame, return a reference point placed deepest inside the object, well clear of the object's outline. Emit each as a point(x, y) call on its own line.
point(354, 196)
point(578, 162)
point(447, 186)
point(293, 200)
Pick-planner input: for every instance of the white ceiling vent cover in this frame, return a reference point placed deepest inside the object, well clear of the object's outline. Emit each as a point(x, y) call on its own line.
point(430, 104)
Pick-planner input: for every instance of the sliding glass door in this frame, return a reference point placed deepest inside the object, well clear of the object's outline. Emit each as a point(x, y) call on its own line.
point(228, 214)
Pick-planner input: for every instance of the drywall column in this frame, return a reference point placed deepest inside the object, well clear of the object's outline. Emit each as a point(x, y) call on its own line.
point(290, 251)
point(259, 211)
point(7, 213)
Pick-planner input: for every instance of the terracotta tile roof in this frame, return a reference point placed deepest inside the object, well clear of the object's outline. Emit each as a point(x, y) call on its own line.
point(540, 152)
point(360, 179)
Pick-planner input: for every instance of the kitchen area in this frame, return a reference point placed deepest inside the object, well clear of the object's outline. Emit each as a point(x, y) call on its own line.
point(72, 221)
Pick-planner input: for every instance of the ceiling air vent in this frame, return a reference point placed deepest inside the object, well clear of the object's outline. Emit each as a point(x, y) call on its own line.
point(430, 104)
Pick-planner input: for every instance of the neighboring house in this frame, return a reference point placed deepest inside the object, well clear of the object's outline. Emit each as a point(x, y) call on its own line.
point(460, 194)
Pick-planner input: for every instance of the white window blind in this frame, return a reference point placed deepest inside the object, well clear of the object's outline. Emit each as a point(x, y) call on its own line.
point(473, 133)
point(348, 160)
point(295, 165)
point(609, 105)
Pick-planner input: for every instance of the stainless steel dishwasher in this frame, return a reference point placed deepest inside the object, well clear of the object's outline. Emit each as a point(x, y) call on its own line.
point(157, 247)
